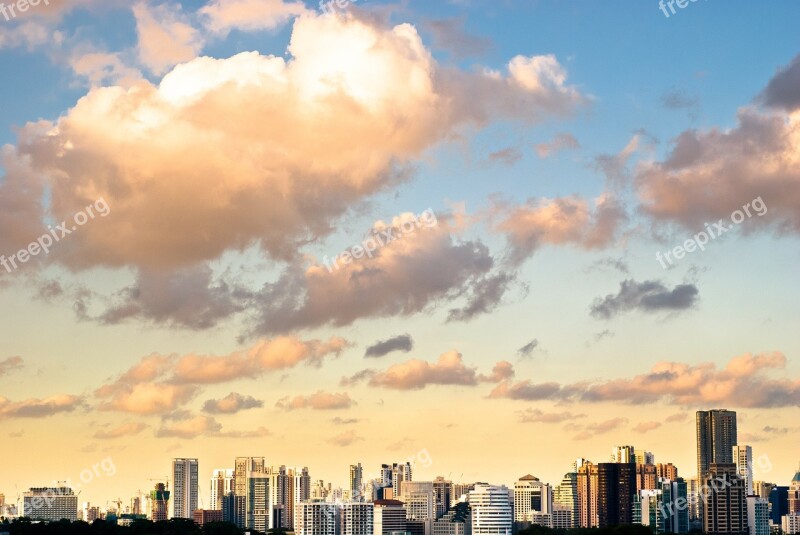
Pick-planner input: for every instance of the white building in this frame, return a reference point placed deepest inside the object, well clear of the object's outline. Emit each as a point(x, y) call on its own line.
point(184, 490)
point(623, 454)
point(316, 518)
point(790, 524)
point(357, 518)
point(389, 516)
point(50, 503)
point(562, 517)
point(743, 459)
point(491, 509)
point(221, 486)
point(531, 497)
point(419, 502)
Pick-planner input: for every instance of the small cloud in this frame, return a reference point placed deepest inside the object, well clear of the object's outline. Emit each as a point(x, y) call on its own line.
point(677, 417)
point(538, 416)
point(123, 430)
point(10, 364)
point(562, 141)
point(647, 296)
point(345, 439)
point(17, 434)
point(318, 401)
point(589, 430)
point(401, 444)
point(646, 427)
point(528, 349)
point(602, 335)
point(231, 404)
point(508, 156)
point(449, 34)
point(345, 421)
point(403, 343)
point(39, 408)
point(677, 99)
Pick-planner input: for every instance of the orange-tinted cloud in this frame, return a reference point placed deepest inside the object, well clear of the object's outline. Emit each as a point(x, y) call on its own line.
point(321, 401)
point(231, 404)
point(122, 430)
point(39, 408)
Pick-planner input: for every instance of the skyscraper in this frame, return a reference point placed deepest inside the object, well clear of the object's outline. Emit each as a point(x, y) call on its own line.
point(623, 454)
point(251, 500)
point(442, 495)
point(716, 437)
point(587, 495)
point(356, 481)
point(280, 497)
point(356, 518)
point(221, 486)
point(491, 510)
point(725, 509)
point(566, 495)
point(389, 516)
point(300, 491)
point(400, 472)
point(793, 500)
point(184, 490)
point(742, 457)
point(419, 502)
point(616, 487)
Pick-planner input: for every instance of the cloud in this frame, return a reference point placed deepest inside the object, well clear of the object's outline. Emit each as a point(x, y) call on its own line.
point(645, 427)
point(561, 221)
point(345, 421)
point(508, 156)
point(602, 335)
point(39, 408)
point(10, 364)
point(449, 369)
point(677, 99)
point(589, 430)
point(449, 34)
point(537, 415)
point(562, 141)
point(231, 404)
point(677, 383)
point(122, 430)
point(345, 438)
point(677, 417)
point(484, 296)
point(402, 342)
point(528, 349)
point(204, 187)
point(190, 427)
point(222, 16)
point(166, 38)
point(320, 401)
point(646, 296)
point(783, 90)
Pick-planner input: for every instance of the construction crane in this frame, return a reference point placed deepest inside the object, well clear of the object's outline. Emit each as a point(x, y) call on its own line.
point(164, 479)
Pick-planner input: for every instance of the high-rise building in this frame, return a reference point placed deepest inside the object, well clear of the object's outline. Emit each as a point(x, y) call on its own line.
point(356, 518)
point(566, 495)
point(778, 503)
point(742, 457)
point(50, 504)
point(623, 454)
point(793, 496)
point(531, 497)
point(442, 496)
point(491, 510)
point(280, 496)
point(588, 495)
point(562, 517)
point(251, 500)
point(758, 515)
point(159, 503)
point(389, 516)
point(317, 518)
point(184, 489)
point(419, 501)
point(646, 476)
point(716, 436)
point(356, 481)
point(616, 488)
point(221, 486)
point(300, 491)
point(644, 457)
point(725, 509)
point(666, 471)
point(461, 490)
point(790, 524)
point(400, 472)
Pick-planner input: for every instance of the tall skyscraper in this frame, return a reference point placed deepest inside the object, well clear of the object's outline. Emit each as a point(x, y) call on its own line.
point(280, 496)
point(221, 486)
point(356, 481)
point(587, 495)
point(400, 472)
point(616, 488)
point(251, 500)
point(742, 457)
point(300, 491)
point(442, 495)
point(184, 489)
point(725, 509)
point(716, 437)
point(531, 497)
point(491, 510)
point(419, 502)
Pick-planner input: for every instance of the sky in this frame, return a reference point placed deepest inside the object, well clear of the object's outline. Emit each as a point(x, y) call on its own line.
point(490, 237)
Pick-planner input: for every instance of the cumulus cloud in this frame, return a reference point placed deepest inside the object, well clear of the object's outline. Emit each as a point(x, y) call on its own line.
point(10, 364)
point(484, 295)
point(539, 416)
point(321, 401)
point(231, 404)
point(416, 374)
point(646, 296)
point(189, 427)
point(186, 187)
point(562, 141)
point(39, 408)
point(122, 430)
point(508, 156)
point(561, 221)
point(403, 343)
point(677, 384)
point(677, 417)
point(222, 16)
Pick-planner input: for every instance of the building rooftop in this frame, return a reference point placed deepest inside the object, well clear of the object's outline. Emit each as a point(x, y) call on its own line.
point(529, 478)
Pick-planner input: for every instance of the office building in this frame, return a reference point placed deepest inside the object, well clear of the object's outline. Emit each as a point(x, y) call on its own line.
point(389, 517)
point(50, 504)
point(562, 517)
point(356, 481)
point(419, 502)
point(221, 486)
point(790, 524)
point(299, 490)
point(778, 504)
point(716, 437)
point(644, 457)
point(184, 488)
point(531, 497)
point(646, 477)
point(742, 457)
point(588, 495)
point(491, 509)
point(725, 509)
point(442, 496)
point(159, 503)
point(317, 518)
point(400, 472)
point(280, 496)
point(251, 501)
point(758, 515)
point(616, 488)
point(793, 495)
point(666, 471)
point(461, 490)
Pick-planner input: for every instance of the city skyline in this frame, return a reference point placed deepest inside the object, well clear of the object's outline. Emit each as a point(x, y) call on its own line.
point(482, 238)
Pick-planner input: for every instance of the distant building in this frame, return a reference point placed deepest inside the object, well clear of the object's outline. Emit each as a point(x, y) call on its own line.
point(159, 503)
point(725, 510)
point(206, 516)
point(442, 496)
point(623, 454)
point(566, 495)
point(389, 517)
point(758, 515)
point(666, 471)
point(419, 501)
point(793, 496)
point(491, 510)
point(184, 489)
point(644, 457)
point(588, 495)
point(778, 504)
point(299, 491)
point(532, 497)
point(456, 521)
point(790, 524)
point(356, 518)
point(716, 437)
point(50, 503)
point(646, 476)
point(221, 486)
point(317, 518)
point(743, 459)
point(616, 488)
point(356, 481)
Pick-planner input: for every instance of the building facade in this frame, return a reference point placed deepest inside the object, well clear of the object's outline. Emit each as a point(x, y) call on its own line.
point(50, 504)
point(184, 488)
point(491, 510)
point(725, 508)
